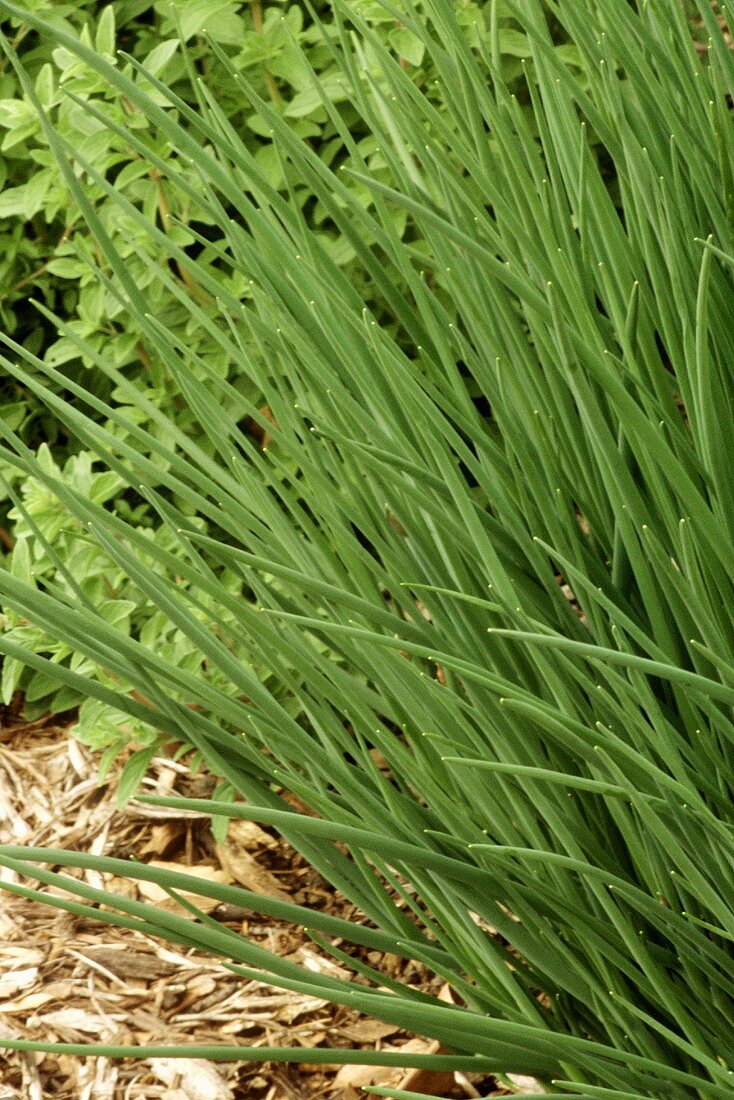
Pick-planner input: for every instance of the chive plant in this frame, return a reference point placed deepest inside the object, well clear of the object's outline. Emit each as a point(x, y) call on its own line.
point(491, 537)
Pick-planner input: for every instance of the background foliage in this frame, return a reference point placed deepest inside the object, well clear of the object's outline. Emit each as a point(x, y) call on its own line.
point(47, 248)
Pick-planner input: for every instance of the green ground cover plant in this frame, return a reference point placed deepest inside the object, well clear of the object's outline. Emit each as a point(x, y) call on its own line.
point(490, 536)
point(47, 243)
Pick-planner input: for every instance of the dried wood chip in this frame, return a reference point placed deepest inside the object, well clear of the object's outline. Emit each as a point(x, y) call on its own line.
point(124, 963)
point(191, 1079)
point(368, 1031)
point(27, 1003)
point(156, 894)
point(241, 866)
point(432, 1082)
point(248, 834)
point(299, 1006)
point(77, 1020)
point(321, 965)
point(525, 1086)
point(161, 839)
point(15, 980)
point(357, 1076)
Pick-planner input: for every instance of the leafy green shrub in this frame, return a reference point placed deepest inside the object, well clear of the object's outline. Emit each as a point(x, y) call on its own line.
point(277, 48)
point(491, 539)
point(51, 254)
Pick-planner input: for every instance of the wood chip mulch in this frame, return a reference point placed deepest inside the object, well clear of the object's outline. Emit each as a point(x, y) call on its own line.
point(65, 978)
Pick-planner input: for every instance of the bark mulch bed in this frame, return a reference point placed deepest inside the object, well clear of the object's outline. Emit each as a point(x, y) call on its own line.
point(69, 979)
